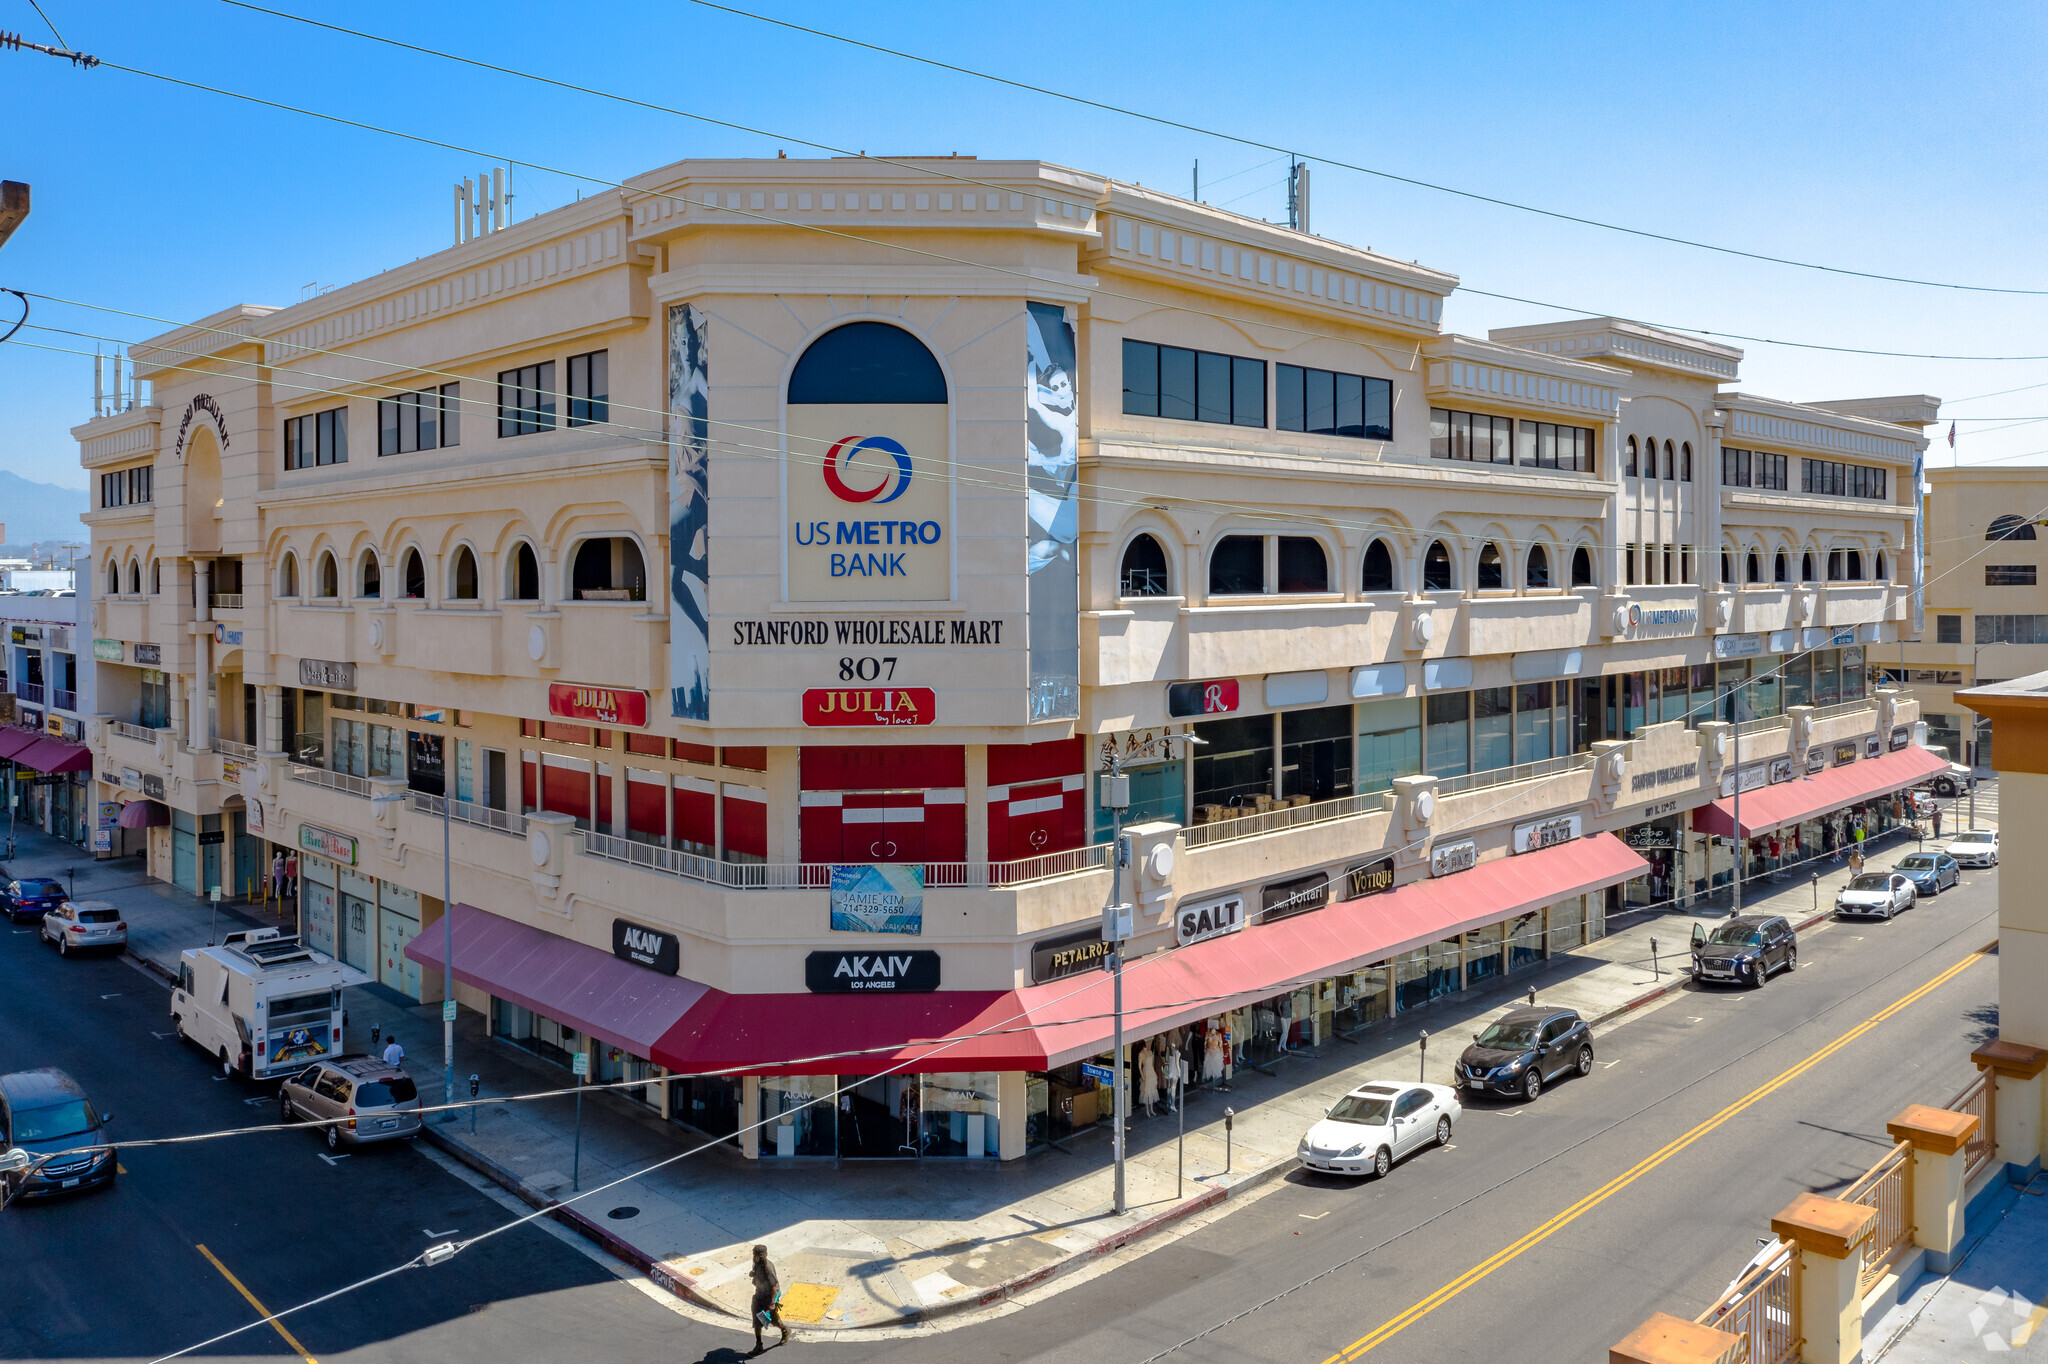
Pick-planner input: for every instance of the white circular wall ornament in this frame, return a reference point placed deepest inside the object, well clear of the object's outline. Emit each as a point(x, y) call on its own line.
point(376, 634)
point(1724, 611)
point(536, 643)
point(1617, 763)
point(1424, 630)
point(1160, 860)
point(538, 847)
point(1425, 806)
point(1620, 620)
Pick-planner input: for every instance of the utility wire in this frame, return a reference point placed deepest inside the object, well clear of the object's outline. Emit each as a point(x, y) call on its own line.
point(46, 21)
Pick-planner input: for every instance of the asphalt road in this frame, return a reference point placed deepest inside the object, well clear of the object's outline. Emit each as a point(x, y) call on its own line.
point(118, 1275)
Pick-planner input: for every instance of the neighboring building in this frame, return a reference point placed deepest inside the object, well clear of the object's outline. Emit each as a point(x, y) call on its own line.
point(768, 599)
point(47, 676)
point(1987, 603)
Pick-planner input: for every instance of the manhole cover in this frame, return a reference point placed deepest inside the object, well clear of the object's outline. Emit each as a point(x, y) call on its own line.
point(621, 1214)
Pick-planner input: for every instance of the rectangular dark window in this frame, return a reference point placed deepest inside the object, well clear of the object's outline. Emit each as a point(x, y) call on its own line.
point(590, 390)
point(315, 439)
point(1192, 385)
point(1474, 437)
point(1835, 479)
point(427, 420)
point(2001, 629)
point(1330, 404)
point(526, 399)
point(128, 487)
point(2008, 575)
point(1948, 629)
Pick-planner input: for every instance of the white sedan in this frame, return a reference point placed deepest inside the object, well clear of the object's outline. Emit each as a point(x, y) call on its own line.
point(1378, 1123)
point(1974, 848)
point(1877, 893)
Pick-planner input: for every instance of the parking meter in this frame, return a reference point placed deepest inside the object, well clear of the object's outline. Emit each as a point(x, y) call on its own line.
point(475, 1083)
point(1229, 1121)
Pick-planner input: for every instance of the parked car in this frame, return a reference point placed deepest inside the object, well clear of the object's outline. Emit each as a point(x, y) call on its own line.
point(372, 1101)
point(1378, 1123)
point(1974, 847)
point(1746, 949)
point(1930, 873)
point(1523, 1049)
point(77, 924)
point(44, 1112)
point(30, 897)
point(1877, 894)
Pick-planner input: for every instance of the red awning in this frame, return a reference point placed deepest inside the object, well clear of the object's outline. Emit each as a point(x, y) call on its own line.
point(13, 739)
point(1773, 807)
point(590, 990)
point(1042, 1026)
point(46, 754)
point(143, 814)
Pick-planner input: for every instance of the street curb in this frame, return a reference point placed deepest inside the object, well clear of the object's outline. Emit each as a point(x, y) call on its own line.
point(155, 968)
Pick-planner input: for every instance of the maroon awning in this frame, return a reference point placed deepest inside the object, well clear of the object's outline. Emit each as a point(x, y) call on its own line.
point(143, 814)
point(13, 739)
point(1773, 807)
point(46, 754)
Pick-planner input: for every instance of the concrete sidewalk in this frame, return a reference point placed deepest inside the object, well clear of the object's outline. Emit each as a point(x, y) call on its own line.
point(1995, 1301)
point(880, 1242)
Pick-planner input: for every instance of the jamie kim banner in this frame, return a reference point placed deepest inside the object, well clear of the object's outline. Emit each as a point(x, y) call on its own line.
point(878, 899)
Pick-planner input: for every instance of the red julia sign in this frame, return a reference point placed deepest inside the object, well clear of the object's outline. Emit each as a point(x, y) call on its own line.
point(605, 705)
point(869, 706)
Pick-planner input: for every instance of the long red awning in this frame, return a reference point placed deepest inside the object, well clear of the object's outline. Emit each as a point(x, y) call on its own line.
point(1773, 807)
point(1042, 1026)
point(13, 739)
point(46, 754)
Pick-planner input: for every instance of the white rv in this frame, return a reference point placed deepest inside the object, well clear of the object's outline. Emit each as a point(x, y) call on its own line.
point(264, 1003)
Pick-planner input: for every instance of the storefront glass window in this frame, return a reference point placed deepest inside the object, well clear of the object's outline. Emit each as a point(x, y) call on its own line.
point(1700, 704)
point(1634, 699)
point(1766, 687)
point(1729, 676)
point(1674, 701)
point(1411, 979)
point(1447, 743)
point(1852, 674)
point(1827, 676)
point(1389, 741)
point(1524, 937)
point(878, 1116)
point(1482, 953)
point(387, 751)
point(1533, 721)
point(1566, 931)
point(1236, 765)
point(1493, 728)
point(960, 1114)
point(1315, 752)
point(154, 710)
point(800, 1116)
point(1361, 998)
point(1158, 791)
point(1798, 681)
point(351, 751)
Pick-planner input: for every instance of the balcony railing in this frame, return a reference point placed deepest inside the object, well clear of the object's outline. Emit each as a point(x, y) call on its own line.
point(61, 699)
point(1762, 1309)
point(29, 691)
point(1845, 708)
point(1979, 1097)
point(1888, 1187)
point(818, 875)
point(139, 733)
point(235, 749)
point(225, 601)
point(1235, 825)
point(468, 812)
point(333, 781)
point(1508, 776)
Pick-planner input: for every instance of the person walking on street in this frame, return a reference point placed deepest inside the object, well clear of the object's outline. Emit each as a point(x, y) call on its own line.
point(394, 1055)
point(1937, 819)
point(767, 1299)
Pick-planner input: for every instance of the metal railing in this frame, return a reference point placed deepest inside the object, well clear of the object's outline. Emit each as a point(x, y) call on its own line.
point(1887, 1187)
point(333, 781)
point(225, 601)
point(1236, 824)
point(1979, 1097)
point(1762, 1309)
point(140, 733)
point(818, 875)
point(468, 812)
point(1508, 776)
point(61, 699)
point(1868, 703)
point(234, 748)
point(29, 691)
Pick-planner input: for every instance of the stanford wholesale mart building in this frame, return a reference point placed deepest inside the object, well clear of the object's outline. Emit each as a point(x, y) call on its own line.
point(759, 565)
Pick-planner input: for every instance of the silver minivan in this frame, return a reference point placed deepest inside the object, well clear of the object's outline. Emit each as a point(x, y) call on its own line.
point(356, 1098)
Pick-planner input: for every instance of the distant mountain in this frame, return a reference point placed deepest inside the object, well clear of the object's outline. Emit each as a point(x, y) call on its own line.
point(39, 511)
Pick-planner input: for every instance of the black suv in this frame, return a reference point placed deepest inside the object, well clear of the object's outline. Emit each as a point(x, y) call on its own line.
point(1746, 949)
point(1522, 1049)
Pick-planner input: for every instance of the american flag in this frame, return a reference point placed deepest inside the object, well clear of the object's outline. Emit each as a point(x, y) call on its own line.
point(1951, 435)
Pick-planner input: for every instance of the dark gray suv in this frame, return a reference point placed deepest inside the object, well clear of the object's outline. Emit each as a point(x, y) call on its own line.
point(46, 1113)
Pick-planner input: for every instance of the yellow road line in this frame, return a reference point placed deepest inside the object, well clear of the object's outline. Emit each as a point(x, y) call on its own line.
point(1648, 1163)
point(275, 1325)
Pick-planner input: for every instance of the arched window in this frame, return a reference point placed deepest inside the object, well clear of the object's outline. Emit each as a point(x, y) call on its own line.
point(1670, 461)
point(1753, 568)
point(330, 579)
point(462, 577)
point(1835, 565)
point(522, 575)
point(1781, 568)
point(1877, 571)
point(1630, 466)
point(113, 578)
point(1855, 565)
point(2010, 528)
point(1727, 568)
point(1378, 573)
point(609, 569)
point(288, 575)
point(1539, 567)
point(867, 362)
point(1237, 566)
point(1491, 571)
point(156, 577)
point(1303, 565)
point(1436, 568)
point(369, 575)
point(135, 577)
point(1143, 573)
point(1582, 567)
point(1806, 567)
point(1685, 462)
point(415, 575)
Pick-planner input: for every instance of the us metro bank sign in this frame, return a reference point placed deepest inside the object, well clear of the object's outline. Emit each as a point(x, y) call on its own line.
point(868, 512)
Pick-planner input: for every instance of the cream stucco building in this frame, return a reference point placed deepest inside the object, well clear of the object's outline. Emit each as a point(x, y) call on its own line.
point(766, 560)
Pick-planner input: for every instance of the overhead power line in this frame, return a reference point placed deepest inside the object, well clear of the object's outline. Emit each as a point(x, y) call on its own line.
point(1473, 195)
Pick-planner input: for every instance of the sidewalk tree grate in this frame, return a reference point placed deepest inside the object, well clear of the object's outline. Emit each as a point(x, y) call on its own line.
point(621, 1214)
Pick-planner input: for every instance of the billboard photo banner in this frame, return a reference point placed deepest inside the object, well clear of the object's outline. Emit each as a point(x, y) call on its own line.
point(878, 899)
point(689, 514)
point(1053, 495)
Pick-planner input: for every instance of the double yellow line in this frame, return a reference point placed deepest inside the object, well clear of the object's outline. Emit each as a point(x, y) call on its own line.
point(1642, 1167)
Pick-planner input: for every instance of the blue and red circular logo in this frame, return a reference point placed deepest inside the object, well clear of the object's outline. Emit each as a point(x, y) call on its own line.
point(842, 456)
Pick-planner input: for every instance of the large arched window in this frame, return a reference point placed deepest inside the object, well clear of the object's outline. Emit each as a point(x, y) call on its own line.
point(1143, 573)
point(1753, 568)
point(1727, 568)
point(1237, 566)
point(1670, 461)
point(288, 575)
point(329, 584)
point(1303, 565)
point(1855, 565)
point(135, 577)
point(1492, 572)
point(1781, 568)
point(1538, 574)
point(1806, 567)
point(2010, 528)
point(1685, 462)
point(608, 569)
point(462, 575)
point(1630, 467)
point(1582, 567)
point(1436, 568)
point(113, 577)
point(156, 577)
point(415, 571)
point(522, 574)
point(1877, 571)
point(1378, 572)
point(369, 575)
point(867, 362)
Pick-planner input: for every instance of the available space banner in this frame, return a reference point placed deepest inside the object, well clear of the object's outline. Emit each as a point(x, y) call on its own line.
point(689, 515)
point(1053, 494)
point(878, 899)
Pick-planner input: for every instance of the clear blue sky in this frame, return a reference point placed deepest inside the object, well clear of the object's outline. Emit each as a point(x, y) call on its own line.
point(1885, 137)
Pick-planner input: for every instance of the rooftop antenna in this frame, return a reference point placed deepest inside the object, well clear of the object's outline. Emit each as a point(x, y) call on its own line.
point(1196, 193)
point(1297, 194)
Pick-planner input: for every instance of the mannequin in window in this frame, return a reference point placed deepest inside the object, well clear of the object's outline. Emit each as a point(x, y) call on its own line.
point(1148, 1080)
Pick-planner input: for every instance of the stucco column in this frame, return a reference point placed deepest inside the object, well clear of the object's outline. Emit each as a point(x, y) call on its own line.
point(1010, 1114)
point(750, 1116)
point(784, 842)
point(1706, 521)
point(1665, 1339)
point(202, 689)
point(2015, 1070)
point(977, 816)
point(202, 589)
point(1827, 1235)
point(1938, 1138)
point(273, 719)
